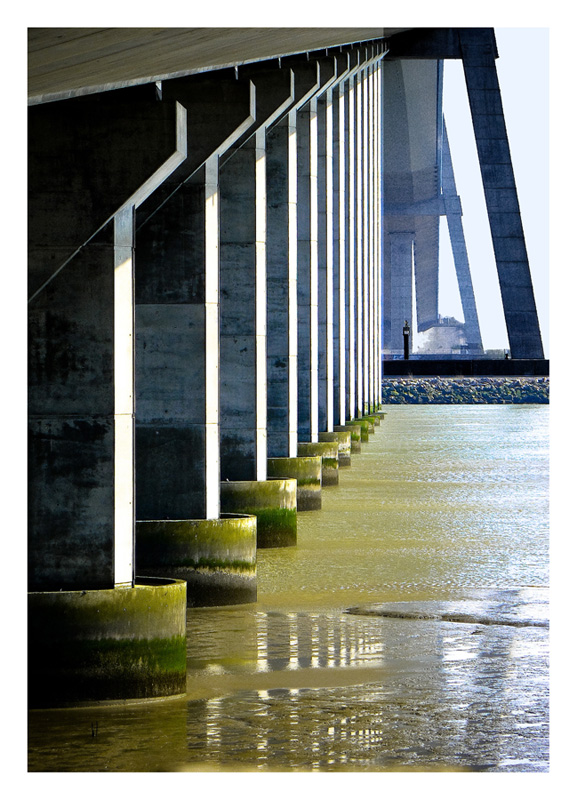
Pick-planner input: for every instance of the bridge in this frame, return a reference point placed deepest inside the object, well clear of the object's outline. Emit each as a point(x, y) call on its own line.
point(224, 226)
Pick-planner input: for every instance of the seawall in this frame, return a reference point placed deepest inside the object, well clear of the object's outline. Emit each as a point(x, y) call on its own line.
point(465, 390)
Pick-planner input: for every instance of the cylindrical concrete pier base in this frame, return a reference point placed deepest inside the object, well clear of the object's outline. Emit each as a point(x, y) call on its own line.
point(216, 557)
point(365, 425)
point(343, 438)
point(107, 644)
point(329, 451)
point(308, 473)
point(355, 435)
point(272, 502)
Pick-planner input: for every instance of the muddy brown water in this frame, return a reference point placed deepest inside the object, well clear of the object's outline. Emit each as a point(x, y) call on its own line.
point(407, 631)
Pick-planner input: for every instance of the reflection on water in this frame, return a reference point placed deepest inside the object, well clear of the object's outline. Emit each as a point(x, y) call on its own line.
point(370, 693)
point(442, 516)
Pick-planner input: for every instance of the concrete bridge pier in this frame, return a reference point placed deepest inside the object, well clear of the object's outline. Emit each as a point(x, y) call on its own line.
point(354, 432)
point(352, 245)
point(341, 229)
point(325, 260)
point(311, 210)
point(353, 254)
point(315, 168)
point(340, 254)
point(179, 407)
point(243, 379)
point(373, 260)
point(359, 280)
point(282, 379)
point(368, 131)
point(282, 318)
point(316, 277)
point(361, 272)
point(307, 272)
point(375, 175)
point(96, 632)
point(343, 440)
point(362, 244)
point(180, 531)
point(356, 222)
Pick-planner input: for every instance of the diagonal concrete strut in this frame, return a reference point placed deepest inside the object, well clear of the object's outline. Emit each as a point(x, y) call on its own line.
point(459, 247)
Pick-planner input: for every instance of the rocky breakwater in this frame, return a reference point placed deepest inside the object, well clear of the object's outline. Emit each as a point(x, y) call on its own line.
point(465, 390)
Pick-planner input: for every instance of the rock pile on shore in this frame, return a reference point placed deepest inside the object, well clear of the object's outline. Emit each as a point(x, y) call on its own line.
point(465, 390)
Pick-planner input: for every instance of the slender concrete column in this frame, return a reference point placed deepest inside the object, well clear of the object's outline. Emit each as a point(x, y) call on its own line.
point(368, 289)
point(325, 260)
point(336, 69)
point(352, 241)
point(177, 356)
point(366, 204)
point(378, 233)
point(377, 244)
point(347, 240)
point(282, 395)
point(374, 237)
point(243, 382)
point(307, 252)
point(370, 238)
point(478, 53)
point(380, 241)
point(345, 226)
point(353, 248)
point(360, 263)
point(370, 204)
point(369, 235)
point(282, 315)
point(339, 256)
point(124, 506)
point(374, 174)
point(307, 271)
point(385, 294)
